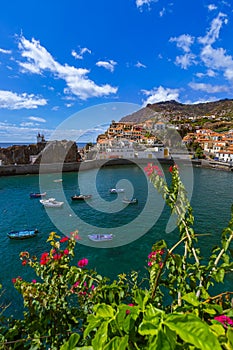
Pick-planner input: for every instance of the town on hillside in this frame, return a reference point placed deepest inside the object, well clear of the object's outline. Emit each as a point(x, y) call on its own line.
point(155, 135)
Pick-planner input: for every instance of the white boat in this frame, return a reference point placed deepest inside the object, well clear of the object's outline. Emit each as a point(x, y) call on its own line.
point(51, 203)
point(100, 237)
point(57, 180)
point(116, 190)
point(130, 201)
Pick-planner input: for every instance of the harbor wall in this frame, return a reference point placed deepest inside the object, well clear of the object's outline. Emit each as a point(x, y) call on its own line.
point(23, 169)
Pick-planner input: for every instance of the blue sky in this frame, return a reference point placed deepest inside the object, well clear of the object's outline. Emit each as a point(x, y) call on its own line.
point(60, 58)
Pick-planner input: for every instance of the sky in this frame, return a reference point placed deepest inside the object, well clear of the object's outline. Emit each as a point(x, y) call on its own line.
point(78, 64)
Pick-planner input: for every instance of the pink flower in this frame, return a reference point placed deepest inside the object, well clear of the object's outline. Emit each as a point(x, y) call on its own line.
point(128, 311)
point(76, 284)
point(33, 281)
point(225, 320)
point(92, 287)
point(66, 251)
point(150, 169)
point(82, 262)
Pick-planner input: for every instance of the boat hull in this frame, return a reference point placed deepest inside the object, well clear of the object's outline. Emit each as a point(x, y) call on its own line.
point(22, 234)
point(100, 237)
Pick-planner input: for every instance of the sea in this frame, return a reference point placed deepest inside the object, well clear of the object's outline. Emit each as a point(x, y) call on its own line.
point(135, 228)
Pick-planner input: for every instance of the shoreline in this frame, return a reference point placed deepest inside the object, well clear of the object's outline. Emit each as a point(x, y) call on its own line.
point(35, 169)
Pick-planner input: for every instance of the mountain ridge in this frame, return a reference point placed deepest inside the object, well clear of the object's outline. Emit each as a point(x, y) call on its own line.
point(172, 109)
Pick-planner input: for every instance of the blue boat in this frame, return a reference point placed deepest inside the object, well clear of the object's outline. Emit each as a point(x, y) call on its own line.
point(22, 234)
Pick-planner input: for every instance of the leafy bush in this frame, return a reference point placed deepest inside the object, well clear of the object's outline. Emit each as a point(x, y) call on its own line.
point(72, 307)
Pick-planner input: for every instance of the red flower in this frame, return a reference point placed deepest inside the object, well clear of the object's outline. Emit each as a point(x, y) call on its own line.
point(14, 280)
point(24, 262)
point(44, 258)
point(66, 251)
point(82, 262)
point(57, 256)
point(170, 169)
point(64, 239)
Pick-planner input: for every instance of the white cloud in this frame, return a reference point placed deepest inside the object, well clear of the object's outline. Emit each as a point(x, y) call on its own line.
point(109, 65)
point(210, 73)
point(20, 133)
point(28, 124)
point(185, 60)
point(160, 94)
point(12, 100)
point(39, 60)
point(218, 59)
point(82, 51)
point(212, 7)
point(209, 88)
point(213, 34)
point(140, 65)
point(37, 119)
point(7, 52)
point(141, 3)
point(183, 41)
point(162, 12)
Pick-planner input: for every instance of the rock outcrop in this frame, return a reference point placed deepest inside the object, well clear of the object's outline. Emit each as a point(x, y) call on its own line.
point(50, 152)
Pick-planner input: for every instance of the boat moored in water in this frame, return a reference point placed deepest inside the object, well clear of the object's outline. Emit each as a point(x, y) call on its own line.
point(81, 197)
point(37, 195)
point(100, 237)
point(22, 234)
point(116, 190)
point(51, 203)
point(130, 201)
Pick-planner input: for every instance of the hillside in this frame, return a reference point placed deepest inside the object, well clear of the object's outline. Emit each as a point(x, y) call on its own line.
point(171, 110)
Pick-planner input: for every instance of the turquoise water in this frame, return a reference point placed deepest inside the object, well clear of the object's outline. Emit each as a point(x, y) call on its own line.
point(212, 199)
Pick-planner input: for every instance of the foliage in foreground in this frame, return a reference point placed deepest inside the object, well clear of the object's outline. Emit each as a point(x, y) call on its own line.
point(71, 307)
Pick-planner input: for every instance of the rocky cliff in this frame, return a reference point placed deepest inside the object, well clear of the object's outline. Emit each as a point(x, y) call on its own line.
point(50, 152)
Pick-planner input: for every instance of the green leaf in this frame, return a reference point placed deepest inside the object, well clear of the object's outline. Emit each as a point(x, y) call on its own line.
point(192, 330)
point(93, 323)
point(191, 299)
point(101, 336)
point(230, 338)
point(163, 341)
point(117, 343)
point(104, 311)
point(149, 328)
point(70, 344)
point(141, 298)
point(219, 276)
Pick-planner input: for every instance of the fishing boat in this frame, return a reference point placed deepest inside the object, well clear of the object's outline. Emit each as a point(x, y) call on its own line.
point(116, 190)
point(81, 197)
point(100, 237)
point(130, 201)
point(37, 195)
point(51, 203)
point(22, 234)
